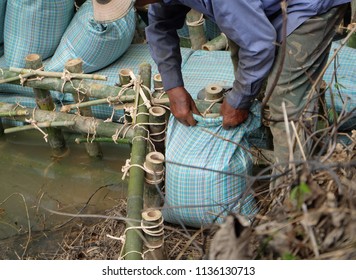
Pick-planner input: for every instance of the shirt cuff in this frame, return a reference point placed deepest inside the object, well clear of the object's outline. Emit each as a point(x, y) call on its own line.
point(171, 79)
point(239, 101)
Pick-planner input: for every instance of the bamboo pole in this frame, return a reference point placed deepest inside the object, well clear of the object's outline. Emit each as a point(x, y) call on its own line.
point(157, 120)
point(82, 124)
point(17, 112)
point(44, 101)
point(89, 88)
point(218, 43)
point(157, 85)
point(154, 165)
point(124, 76)
point(93, 148)
point(195, 22)
point(103, 139)
point(40, 125)
point(152, 220)
point(103, 93)
point(58, 74)
point(133, 241)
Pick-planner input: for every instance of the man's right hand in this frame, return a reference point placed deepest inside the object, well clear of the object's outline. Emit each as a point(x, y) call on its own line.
point(182, 106)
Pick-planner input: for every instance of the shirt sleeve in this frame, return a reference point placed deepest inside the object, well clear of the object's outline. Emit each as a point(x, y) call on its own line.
point(246, 23)
point(243, 21)
point(161, 33)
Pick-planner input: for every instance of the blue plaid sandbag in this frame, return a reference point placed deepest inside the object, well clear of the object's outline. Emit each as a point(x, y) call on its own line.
point(341, 78)
point(34, 27)
point(206, 176)
point(96, 44)
point(2, 21)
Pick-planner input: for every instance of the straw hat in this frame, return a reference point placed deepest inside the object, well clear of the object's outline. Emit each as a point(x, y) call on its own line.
point(106, 11)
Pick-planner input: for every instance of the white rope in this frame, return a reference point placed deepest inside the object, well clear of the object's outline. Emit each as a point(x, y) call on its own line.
point(199, 22)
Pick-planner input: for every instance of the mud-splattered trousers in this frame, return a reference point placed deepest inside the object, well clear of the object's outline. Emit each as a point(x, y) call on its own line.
point(305, 56)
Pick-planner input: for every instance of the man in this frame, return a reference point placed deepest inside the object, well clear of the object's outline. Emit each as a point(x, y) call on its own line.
point(255, 26)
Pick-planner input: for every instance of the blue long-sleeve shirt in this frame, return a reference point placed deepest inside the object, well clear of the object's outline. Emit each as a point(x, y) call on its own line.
point(254, 25)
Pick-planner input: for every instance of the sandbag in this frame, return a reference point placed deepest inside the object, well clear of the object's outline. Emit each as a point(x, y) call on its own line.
point(343, 89)
point(2, 21)
point(34, 27)
point(98, 45)
point(205, 175)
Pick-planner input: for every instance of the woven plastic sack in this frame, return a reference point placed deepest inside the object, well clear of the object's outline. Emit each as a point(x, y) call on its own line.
point(34, 27)
point(344, 91)
point(98, 45)
point(2, 21)
point(206, 175)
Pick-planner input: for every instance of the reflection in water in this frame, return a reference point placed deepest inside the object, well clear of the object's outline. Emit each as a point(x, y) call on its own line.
point(31, 182)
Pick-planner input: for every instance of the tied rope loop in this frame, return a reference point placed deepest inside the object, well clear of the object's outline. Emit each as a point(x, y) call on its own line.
point(33, 122)
point(66, 77)
point(146, 229)
point(196, 23)
point(126, 168)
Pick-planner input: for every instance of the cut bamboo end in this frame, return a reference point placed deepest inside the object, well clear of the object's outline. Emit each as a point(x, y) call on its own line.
point(213, 92)
point(157, 83)
point(151, 215)
point(33, 61)
point(218, 43)
point(74, 63)
point(154, 161)
point(154, 168)
point(157, 111)
point(124, 76)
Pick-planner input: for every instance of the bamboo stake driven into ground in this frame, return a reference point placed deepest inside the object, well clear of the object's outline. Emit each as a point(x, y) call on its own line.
point(44, 101)
point(133, 241)
point(93, 148)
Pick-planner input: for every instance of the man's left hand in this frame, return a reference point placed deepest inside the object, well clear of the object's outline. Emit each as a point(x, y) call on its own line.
point(232, 117)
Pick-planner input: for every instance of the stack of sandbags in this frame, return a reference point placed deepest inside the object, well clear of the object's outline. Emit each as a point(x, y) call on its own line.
point(34, 27)
point(97, 44)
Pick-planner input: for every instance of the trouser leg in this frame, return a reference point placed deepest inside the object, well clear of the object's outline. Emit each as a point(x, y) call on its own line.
point(306, 54)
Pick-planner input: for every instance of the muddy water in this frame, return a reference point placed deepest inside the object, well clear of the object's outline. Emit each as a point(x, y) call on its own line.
point(31, 182)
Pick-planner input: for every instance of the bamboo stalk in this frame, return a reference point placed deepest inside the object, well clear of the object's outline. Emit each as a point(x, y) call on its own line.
point(76, 66)
point(103, 139)
point(133, 241)
point(16, 78)
point(154, 165)
point(73, 86)
point(124, 77)
point(195, 22)
point(82, 124)
point(40, 125)
point(67, 108)
point(58, 74)
point(18, 112)
point(154, 233)
point(218, 43)
point(44, 101)
point(157, 120)
point(99, 91)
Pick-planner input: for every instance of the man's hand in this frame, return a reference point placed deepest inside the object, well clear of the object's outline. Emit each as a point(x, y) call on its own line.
point(232, 117)
point(182, 106)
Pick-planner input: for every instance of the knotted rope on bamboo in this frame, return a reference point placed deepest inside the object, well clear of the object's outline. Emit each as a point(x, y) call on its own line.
point(196, 23)
point(151, 227)
point(152, 176)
